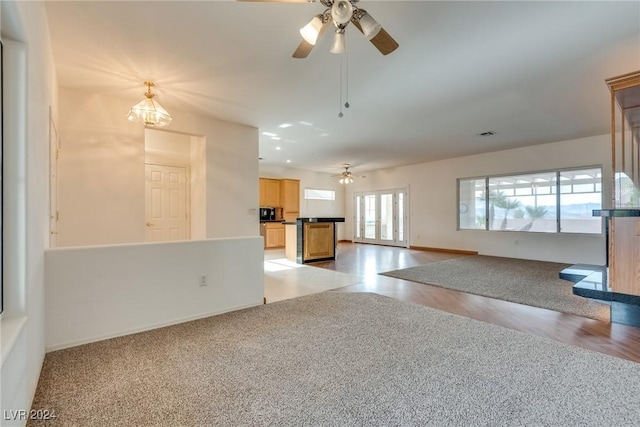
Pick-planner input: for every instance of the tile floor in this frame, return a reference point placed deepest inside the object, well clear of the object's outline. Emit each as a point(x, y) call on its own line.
point(284, 279)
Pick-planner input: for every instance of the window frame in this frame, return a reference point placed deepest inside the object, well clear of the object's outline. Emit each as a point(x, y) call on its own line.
point(558, 183)
point(308, 189)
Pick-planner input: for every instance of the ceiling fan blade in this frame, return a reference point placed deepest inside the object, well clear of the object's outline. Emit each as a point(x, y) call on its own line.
point(382, 41)
point(304, 48)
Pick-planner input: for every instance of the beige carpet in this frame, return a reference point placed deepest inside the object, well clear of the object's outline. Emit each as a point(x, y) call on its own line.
point(534, 283)
point(336, 359)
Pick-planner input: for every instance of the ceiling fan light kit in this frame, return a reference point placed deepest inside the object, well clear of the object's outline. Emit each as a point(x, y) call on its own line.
point(340, 13)
point(149, 111)
point(346, 177)
point(311, 31)
point(339, 45)
point(370, 27)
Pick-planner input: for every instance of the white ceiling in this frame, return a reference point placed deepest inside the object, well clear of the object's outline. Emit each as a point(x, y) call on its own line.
point(533, 72)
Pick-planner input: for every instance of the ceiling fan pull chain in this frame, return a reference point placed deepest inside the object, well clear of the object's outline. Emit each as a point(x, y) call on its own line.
point(346, 54)
point(340, 115)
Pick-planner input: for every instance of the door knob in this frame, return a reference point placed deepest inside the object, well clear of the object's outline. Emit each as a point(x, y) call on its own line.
point(149, 224)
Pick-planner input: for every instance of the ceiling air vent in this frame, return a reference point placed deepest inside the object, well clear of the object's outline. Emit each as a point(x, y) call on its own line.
point(487, 133)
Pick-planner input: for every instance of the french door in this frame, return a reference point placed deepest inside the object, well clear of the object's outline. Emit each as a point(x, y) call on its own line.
point(380, 217)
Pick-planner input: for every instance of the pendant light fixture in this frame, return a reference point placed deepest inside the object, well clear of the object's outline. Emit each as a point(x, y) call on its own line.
point(148, 111)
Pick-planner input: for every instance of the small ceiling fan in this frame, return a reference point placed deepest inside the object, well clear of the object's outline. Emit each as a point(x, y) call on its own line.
point(340, 13)
point(346, 177)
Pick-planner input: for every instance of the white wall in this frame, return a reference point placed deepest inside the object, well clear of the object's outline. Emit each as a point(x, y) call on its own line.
point(101, 172)
point(433, 204)
point(166, 147)
point(315, 180)
point(29, 90)
point(101, 292)
point(198, 158)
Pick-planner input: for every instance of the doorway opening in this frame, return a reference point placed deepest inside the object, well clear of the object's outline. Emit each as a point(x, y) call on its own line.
point(174, 186)
point(54, 150)
point(381, 217)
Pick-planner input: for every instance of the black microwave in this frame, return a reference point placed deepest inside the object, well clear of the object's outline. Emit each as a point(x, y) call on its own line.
point(267, 214)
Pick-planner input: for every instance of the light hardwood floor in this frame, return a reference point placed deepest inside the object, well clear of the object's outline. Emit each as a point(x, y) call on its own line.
point(366, 261)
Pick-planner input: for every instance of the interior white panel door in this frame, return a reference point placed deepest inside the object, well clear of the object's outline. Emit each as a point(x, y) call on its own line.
point(166, 203)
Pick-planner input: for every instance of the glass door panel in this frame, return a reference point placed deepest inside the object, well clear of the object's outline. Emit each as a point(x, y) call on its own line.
point(386, 217)
point(370, 216)
point(401, 213)
point(358, 219)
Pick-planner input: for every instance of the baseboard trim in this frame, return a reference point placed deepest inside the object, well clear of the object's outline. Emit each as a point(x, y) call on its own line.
point(144, 328)
point(448, 251)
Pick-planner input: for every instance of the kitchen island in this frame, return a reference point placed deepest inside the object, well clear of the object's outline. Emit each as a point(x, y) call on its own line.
point(311, 239)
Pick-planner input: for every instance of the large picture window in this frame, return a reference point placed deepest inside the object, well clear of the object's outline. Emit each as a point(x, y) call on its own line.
point(545, 202)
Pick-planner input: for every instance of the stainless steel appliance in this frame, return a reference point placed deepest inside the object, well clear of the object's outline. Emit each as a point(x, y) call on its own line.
point(267, 214)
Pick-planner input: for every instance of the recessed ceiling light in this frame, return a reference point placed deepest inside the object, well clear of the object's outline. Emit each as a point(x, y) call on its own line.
point(278, 148)
point(277, 138)
point(285, 125)
point(269, 134)
point(288, 161)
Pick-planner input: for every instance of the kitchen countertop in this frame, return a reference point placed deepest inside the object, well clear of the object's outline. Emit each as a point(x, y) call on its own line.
point(321, 219)
point(270, 220)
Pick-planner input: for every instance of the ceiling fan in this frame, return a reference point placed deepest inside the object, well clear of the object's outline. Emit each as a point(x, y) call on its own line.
point(346, 177)
point(340, 13)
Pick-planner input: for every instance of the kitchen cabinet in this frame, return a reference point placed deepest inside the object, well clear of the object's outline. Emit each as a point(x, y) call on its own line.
point(290, 199)
point(270, 193)
point(273, 234)
point(319, 242)
point(311, 239)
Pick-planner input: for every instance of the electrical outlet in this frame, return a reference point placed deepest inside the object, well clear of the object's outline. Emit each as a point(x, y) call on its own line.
point(515, 242)
point(203, 280)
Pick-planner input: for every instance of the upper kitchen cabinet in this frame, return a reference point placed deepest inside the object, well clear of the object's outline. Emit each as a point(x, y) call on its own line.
point(270, 193)
point(290, 199)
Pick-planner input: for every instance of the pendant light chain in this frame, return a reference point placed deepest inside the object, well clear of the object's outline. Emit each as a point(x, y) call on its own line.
point(346, 104)
point(344, 65)
point(340, 115)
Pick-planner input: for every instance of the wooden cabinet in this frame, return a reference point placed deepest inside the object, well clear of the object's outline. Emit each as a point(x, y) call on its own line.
point(290, 199)
point(273, 234)
point(270, 193)
point(263, 192)
point(319, 240)
point(281, 193)
point(624, 224)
